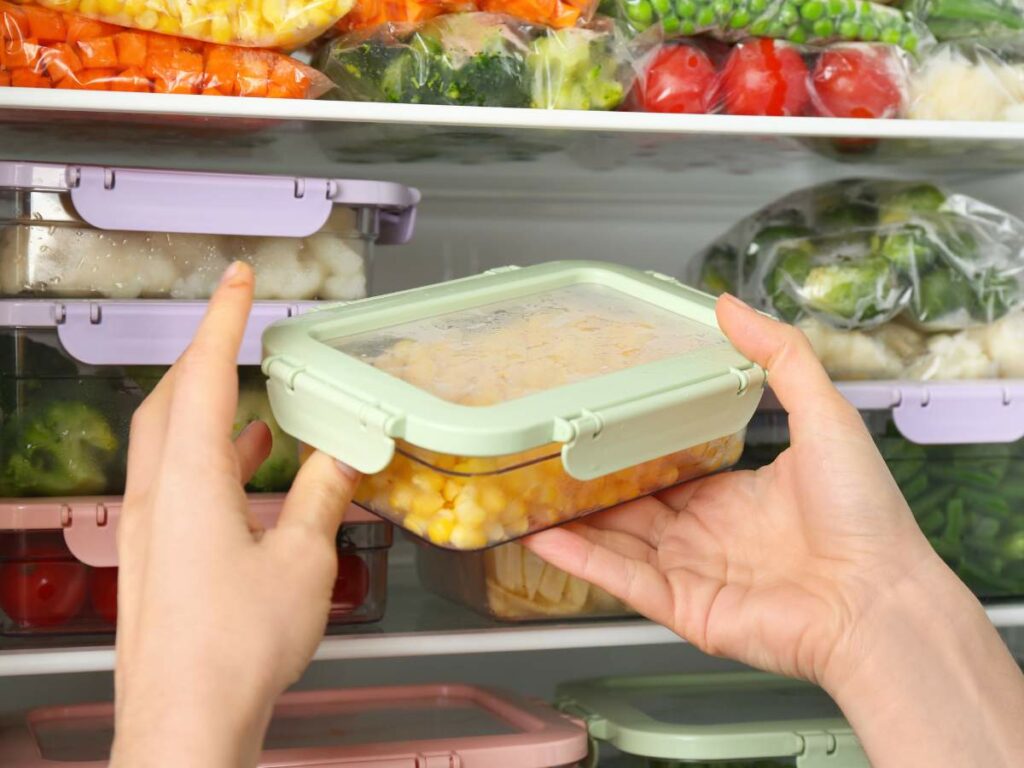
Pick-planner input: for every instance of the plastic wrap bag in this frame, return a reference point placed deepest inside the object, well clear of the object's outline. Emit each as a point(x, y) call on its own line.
point(285, 24)
point(968, 81)
point(888, 279)
point(483, 60)
point(762, 76)
point(988, 20)
point(553, 13)
point(46, 49)
point(815, 22)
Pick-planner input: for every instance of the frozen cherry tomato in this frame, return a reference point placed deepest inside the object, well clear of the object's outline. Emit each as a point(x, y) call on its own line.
point(861, 81)
point(765, 77)
point(46, 588)
point(103, 593)
point(352, 585)
point(680, 78)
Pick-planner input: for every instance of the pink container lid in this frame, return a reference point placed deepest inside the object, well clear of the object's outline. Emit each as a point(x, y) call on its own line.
point(426, 726)
point(90, 522)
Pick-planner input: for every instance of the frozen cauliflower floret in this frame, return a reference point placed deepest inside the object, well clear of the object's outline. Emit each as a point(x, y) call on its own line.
point(1003, 341)
point(953, 356)
point(281, 274)
point(343, 265)
point(951, 87)
point(852, 354)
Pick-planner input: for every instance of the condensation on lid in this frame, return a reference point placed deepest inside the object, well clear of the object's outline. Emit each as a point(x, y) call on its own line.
point(510, 349)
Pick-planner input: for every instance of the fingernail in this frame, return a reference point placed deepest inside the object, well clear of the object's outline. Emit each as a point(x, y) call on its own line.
point(349, 472)
point(728, 298)
point(231, 273)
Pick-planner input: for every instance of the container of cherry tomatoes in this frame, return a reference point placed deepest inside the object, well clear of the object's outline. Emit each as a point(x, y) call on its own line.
point(764, 77)
point(58, 564)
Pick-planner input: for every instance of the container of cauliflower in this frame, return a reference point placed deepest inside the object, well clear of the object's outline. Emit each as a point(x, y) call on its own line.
point(61, 239)
point(488, 408)
point(889, 280)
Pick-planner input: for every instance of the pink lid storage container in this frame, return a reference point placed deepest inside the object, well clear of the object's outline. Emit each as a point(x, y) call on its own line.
point(428, 726)
point(58, 564)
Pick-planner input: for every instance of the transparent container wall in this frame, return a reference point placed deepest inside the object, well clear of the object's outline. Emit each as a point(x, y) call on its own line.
point(45, 590)
point(635, 761)
point(510, 583)
point(463, 502)
point(65, 424)
point(966, 498)
point(46, 250)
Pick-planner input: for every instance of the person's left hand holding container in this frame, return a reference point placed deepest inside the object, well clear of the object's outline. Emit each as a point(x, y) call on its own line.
point(215, 616)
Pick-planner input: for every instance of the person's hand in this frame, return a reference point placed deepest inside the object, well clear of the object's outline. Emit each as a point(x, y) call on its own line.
point(215, 617)
point(813, 567)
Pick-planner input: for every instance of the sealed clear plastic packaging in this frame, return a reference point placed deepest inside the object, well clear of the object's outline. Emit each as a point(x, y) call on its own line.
point(81, 232)
point(281, 24)
point(763, 76)
point(58, 565)
point(888, 279)
point(552, 13)
point(992, 21)
point(43, 48)
point(814, 22)
point(510, 583)
point(488, 408)
point(483, 60)
point(968, 81)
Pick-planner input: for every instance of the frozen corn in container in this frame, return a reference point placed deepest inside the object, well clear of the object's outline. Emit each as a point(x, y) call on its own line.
point(79, 231)
point(721, 720)
point(425, 726)
point(510, 583)
point(490, 407)
point(72, 374)
point(956, 449)
point(58, 564)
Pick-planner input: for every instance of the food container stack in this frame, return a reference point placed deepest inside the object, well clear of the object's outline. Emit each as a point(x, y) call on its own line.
point(427, 725)
point(913, 299)
point(103, 272)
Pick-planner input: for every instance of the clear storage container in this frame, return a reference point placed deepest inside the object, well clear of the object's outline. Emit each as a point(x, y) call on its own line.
point(424, 726)
point(77, 231)
point(957, 453)
point(510, 583)
point(58, 564)
point(722, 720)
point(68, 392)
point(491, 407)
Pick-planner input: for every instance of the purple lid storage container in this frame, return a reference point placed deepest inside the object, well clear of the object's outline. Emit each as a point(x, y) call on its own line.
point(89, 232)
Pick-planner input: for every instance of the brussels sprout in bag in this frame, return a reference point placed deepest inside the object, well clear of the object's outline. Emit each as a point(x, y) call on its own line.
point(888, 279)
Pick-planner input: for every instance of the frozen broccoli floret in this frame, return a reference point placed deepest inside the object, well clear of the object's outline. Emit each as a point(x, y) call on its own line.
point(59, 449)
point(852, 290)
point(997, 294)
point(574, 69)
point(909, 249)
point(278, 471)
point(941, 294)
point(908, 202)
point(848, 216)
point(762, 243)
point(786, 281)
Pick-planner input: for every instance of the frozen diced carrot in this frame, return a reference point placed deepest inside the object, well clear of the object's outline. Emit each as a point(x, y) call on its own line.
point(253, 76)
point(163, 44)
point(82, 28)
point(15, 54)
point(60, 60)
point(98, 53)
point(214, 92)
point(97, 79)
point(13, 22)
point(291, 78)
point(131, 49)
point(27, 78)
point(132, 80)
point(45, 25)
point(220, 63)
point(5, 79)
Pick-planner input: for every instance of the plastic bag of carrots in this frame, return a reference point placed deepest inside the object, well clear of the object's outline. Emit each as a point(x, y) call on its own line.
point(552, 13)
point(40, 48)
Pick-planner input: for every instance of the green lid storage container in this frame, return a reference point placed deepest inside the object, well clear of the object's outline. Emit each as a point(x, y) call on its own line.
point(491, 407)
point(719, 720)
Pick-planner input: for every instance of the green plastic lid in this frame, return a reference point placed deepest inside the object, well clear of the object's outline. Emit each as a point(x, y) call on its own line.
point(732, 716)
point(615, 365)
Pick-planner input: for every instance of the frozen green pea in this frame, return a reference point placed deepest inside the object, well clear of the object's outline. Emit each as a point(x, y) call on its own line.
point(813, 10)
point(661, 7)
point(788, 15)
point(757, 6)
point(740, 19)
point(909, 42)
point(686, 9)
point(760, 28)
point(706, 17)
point(688, 28)
point(824, 28)
point(868, 32)
point(890, 36)
point(640, 12)
point(723, 8)
point(670, 23)
point(849, 29)
point(797, 35)
point(776, 29)
point(835, 7)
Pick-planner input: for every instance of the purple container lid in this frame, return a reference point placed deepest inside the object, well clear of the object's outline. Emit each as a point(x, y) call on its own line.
point(150, 332)
point(216, 203)
point(941, 413)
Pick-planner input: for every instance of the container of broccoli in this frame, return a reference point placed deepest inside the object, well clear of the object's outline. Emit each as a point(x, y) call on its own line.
point(482, 60)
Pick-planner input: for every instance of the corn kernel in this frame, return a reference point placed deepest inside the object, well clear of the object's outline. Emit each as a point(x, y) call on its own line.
point(167, 25)
point(465, 537)
point(416, 524)
point(427, 503)
point(88, 7)
point(493, 499)
point(109, 7)
point(402, 497)
point(469, 513)
point(451, 490)
point(145, 20)
point(440, 529)
point(428, 481)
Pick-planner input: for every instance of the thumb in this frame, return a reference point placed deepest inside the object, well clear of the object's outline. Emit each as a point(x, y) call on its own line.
point(794, 372)
point(320, 494)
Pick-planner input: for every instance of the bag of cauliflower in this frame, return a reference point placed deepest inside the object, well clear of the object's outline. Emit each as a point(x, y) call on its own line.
point(968, 81)
point(888, 279)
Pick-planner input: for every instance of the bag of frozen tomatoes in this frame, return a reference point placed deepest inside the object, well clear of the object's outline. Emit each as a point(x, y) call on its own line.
point(763, 76)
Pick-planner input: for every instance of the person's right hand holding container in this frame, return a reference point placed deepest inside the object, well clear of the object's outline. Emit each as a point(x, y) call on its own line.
point(814, 567)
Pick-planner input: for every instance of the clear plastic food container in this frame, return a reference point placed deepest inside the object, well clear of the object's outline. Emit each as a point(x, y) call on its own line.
point(73, 373)
point(959, 461)
point(721, 720)
point(488, 408)
point(58, 564)
point(78, 231)
point(425, 726)
point(510, 583)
